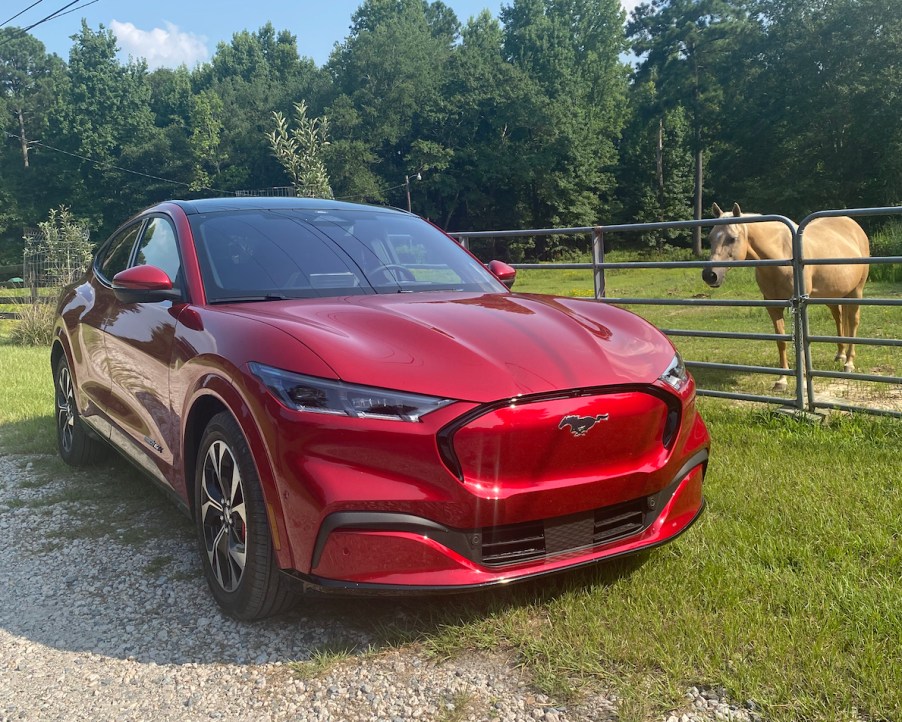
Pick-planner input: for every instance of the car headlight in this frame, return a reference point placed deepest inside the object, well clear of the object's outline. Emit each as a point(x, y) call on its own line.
point(675, 375)
point(324, 396)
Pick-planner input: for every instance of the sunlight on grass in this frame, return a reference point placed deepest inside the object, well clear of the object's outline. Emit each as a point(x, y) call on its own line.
point(785, 592)
point(26, 398)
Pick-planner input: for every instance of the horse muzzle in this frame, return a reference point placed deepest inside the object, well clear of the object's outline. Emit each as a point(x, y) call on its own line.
point(713, 276)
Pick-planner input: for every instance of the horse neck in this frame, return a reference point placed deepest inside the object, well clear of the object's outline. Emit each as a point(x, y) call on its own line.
point(768, 240)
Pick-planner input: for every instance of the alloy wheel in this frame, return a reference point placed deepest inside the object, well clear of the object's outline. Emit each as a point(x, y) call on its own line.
point(223, 516)
point(65, 408)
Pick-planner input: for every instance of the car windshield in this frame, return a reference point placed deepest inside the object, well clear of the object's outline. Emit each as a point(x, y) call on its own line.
point(264, 254)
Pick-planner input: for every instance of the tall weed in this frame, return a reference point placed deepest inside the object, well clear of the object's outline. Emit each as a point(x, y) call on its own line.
point(887, 242)
point(35, 324)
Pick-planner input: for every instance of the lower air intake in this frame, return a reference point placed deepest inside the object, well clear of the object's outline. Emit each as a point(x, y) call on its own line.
point(515, 543)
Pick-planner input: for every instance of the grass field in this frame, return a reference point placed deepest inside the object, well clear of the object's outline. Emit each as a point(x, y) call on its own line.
point(786, 592)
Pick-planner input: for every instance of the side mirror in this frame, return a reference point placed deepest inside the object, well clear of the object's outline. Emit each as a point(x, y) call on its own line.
point(144, 284)
point(504, 273)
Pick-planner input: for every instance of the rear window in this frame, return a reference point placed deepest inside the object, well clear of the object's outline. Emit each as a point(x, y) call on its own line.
point(295, 253)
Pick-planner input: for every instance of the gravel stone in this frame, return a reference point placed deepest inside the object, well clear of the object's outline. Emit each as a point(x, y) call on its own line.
point(105, 615)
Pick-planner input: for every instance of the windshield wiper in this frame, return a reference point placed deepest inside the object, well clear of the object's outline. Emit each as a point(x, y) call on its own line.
point(430, 288)
point(252, 299)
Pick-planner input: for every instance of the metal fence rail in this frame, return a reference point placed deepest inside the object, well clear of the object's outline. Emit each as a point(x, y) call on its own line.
point(797, 305)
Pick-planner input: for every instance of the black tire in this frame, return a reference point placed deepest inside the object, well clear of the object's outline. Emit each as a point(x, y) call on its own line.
point(76, 444)
point(232, 528)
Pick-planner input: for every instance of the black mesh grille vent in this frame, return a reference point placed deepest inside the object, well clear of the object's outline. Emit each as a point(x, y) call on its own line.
point(517, 543)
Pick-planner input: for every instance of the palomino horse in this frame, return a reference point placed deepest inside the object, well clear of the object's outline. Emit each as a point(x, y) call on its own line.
point(839, 237)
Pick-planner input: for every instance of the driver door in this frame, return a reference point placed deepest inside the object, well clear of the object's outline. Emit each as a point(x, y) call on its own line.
point(139, 344)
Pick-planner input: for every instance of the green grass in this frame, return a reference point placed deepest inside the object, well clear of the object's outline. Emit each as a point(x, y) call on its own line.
point(457, 708)
point(27, 426)
point(887, 242)
point(322, 660)
point(786, 592)
point(26, 397)
point(22, 297)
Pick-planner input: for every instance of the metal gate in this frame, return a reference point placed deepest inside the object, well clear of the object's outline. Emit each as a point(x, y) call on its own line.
point(798, 304)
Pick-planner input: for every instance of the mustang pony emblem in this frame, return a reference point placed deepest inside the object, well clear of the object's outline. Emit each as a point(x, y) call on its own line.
point(581, 425)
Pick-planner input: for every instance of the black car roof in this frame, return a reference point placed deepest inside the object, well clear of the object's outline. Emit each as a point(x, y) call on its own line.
point(213, 205)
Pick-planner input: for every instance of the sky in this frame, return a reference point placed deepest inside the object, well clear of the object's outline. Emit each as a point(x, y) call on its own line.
point(168, 33)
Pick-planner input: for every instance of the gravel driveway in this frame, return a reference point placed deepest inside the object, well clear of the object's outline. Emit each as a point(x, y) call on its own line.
point(105, 615)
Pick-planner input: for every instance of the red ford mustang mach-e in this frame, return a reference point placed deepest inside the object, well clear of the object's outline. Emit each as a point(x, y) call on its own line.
point(341, 396)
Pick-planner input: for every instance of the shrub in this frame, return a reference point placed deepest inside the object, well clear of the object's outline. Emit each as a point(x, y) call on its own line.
point(887, 242)
point(54, 256)
point(35, 324)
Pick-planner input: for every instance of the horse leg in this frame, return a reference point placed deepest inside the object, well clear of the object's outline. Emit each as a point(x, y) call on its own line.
point(838, 319)
point(776, 315)
point(851, 320)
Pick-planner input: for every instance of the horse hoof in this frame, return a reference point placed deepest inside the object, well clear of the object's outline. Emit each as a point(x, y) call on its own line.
point(841, 357)
point(780, 386)
point(849, 367)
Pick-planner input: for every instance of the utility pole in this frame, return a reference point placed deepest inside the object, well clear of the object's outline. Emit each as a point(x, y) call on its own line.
point(407, 178)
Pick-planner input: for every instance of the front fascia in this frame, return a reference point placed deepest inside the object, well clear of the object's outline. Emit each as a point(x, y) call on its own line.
point(328, 465)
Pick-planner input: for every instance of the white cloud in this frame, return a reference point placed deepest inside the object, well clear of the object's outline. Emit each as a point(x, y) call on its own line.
point(169, 47)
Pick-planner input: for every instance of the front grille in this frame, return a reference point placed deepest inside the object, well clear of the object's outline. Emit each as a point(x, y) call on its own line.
point(625, 520)
point(515, 543)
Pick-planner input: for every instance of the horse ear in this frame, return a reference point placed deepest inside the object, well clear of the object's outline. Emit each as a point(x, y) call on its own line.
point(715, 209)
point(737, 211)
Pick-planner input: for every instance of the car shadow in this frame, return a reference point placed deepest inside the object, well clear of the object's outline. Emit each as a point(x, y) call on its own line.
point(100, 562)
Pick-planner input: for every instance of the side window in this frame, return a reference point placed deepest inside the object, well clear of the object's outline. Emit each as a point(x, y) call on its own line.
point(159, 248)
point(115, 257)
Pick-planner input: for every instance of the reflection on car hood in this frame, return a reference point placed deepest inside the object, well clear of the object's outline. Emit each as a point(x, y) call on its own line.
point(474, 347)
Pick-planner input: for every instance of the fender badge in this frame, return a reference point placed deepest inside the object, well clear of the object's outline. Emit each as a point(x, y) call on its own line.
point(581, 425)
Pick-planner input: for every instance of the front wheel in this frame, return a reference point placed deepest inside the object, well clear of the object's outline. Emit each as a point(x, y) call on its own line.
point(76, 445)
point(233, 531)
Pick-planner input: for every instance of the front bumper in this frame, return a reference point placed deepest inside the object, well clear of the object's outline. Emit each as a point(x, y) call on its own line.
point(393, 552)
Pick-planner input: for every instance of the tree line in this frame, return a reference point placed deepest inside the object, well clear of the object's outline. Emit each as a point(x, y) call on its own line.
point(557, 113)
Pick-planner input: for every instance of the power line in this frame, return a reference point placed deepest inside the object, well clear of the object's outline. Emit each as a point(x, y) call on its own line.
point(21, 12)
point(368, 195)
point(51, 15)
point(43, 20)
point(102, 164)
point(75, 10)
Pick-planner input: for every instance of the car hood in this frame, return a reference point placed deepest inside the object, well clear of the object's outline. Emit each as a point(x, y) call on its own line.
point(472, 347)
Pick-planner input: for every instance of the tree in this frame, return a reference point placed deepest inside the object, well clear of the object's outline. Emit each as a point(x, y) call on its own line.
point(485, 108)
point(656, 162)
point(300, 150)
point(28, 76)
point(106, 121)
point(63, 246)
point(387, 76)
point(811, 118)
point(30, 80)
point(686, 44)
point(109, 103)
point(570, 51)
point(206, 137)
point(170, 96)
point(254, 74)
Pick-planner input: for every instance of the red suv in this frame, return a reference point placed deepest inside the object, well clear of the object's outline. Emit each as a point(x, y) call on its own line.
point(342, 396)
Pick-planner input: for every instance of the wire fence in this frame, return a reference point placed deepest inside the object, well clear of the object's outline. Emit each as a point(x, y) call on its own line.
point(50, 260)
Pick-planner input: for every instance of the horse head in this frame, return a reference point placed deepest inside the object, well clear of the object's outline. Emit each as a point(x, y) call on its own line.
point(729, 242)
